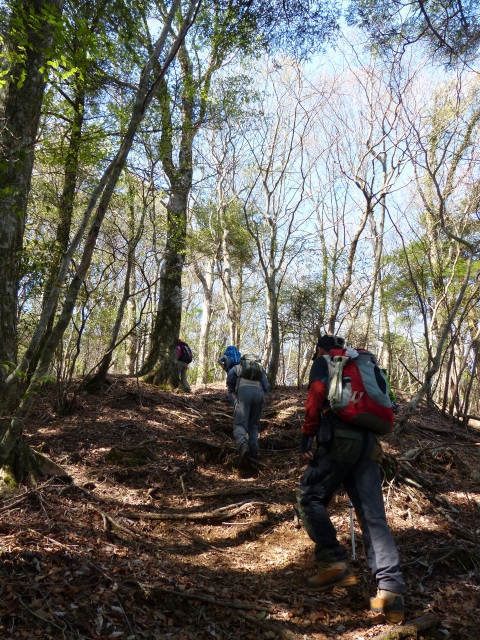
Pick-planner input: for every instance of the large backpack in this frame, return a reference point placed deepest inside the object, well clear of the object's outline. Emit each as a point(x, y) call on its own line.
point(233, 354)
point(186, 353)
point(358, 390)
point(250, 368)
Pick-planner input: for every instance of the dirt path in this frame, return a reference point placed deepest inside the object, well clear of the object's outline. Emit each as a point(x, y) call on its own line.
point(158, 537)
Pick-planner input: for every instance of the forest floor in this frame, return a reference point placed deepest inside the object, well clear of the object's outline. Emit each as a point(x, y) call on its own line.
point(157, 537)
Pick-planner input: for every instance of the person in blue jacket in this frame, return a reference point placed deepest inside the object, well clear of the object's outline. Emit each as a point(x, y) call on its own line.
point(247, 382)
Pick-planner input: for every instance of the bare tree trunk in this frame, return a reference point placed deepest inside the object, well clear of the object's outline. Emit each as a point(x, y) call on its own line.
point(378, 230)
point(306, 363)
point(273, 331)
point(385, 353)
point(229, 298)
point(65, 211)
point(425, 388)
point(98, 379)
point(473, 377)
point(21, 99)
point(207, 280)
point(463, 365)
point(349, 268)
point(133, 344)
point(160, 367)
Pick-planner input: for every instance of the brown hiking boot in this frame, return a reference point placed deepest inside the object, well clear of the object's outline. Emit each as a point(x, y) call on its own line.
point(389, 604)
point(332, 574)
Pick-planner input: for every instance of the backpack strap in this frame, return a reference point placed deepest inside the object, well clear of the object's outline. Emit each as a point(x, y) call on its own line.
point(238, 372)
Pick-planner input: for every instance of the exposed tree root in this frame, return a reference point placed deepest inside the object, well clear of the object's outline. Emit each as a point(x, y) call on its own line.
point(411, 629)
point(48, 467)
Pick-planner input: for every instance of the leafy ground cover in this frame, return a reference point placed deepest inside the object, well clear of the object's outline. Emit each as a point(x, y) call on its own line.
point(157, 537)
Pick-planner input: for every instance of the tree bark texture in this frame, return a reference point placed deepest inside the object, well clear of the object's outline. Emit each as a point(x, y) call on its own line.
point(28, 43)
point(273, 332)
point(160, 367)
point(229, 299)
point(65, 215)
point(207, 281)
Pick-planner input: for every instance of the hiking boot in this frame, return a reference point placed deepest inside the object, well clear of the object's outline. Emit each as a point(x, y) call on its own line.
point(389, 604)
point(245, 474)
point(332, 574)
point(246, 466)
point(244, 459)
point(251, 472)
point(254, 459)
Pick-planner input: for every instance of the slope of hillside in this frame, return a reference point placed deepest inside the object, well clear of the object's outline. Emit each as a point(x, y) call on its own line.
point(157, 537)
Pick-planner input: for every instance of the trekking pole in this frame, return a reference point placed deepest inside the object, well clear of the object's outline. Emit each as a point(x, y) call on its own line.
point(352, 528)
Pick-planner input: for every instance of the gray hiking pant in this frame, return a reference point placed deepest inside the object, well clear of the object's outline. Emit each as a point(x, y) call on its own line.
point(350, 459)
point(246, 417)
point(182, 370)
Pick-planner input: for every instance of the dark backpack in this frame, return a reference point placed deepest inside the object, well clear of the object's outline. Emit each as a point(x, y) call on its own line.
point(186, 353)
point(250, 369)
point(358, 390)
point(233, 355)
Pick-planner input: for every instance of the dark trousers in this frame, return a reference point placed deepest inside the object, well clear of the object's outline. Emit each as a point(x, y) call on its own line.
point(350, 459)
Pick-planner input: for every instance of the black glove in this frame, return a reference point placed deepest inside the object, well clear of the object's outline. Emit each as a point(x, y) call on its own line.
point(306, 443)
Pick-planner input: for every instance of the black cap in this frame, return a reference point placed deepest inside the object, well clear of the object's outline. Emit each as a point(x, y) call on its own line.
point(330, 342)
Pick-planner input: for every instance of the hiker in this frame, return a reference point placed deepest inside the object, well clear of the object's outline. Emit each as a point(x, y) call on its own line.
point(184, 358)
point(350, 455)
point(229, 359)
point(247, 382)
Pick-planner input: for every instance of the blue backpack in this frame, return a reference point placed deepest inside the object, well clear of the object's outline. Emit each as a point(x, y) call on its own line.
point(233, 354)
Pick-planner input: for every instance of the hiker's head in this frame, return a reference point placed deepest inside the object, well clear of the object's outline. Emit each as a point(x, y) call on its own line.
point(225, 362)
point(326, 342)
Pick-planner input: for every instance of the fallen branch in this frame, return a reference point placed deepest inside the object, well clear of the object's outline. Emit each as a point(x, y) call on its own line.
point(150, 590)
point(409, 475)
point(110, 523)
point(467, 416)
point(218, 514)
point(434, 429)
point(178, 414)
point(461, 463)
point(410, 629)
point(25, 495)
point(408, 472)
point(232, 492)
point(470, 536)
point(227, 416)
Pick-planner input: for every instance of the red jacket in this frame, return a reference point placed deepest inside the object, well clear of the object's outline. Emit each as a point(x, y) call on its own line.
point(317, 396)
point(317, 392)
